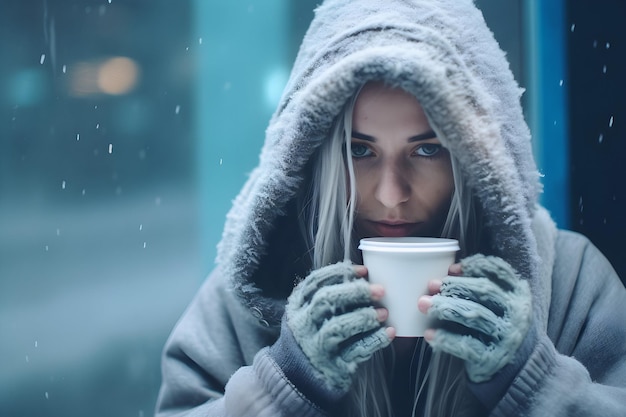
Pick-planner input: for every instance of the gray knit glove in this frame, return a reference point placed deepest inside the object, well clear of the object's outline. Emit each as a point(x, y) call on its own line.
point(331, 316)
point(493, 306)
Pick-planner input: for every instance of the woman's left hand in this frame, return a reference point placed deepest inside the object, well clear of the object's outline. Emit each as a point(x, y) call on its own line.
point(483, 311)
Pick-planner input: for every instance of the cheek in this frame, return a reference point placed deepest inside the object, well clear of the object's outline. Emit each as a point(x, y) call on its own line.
point(445, 189)
point(439, 183)
point(445, 184)
point(363, 184)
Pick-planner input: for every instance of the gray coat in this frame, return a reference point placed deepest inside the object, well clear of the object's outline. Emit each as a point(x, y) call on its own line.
point(441, 51)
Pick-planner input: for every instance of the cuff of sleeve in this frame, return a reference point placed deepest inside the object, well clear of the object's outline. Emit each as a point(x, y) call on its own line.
point(283, 393)
point(296, 368)
point(529, 380)
point(490, 392)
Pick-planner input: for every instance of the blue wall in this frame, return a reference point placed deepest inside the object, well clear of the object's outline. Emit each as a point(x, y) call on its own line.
point(242, 70)
point(547, 86)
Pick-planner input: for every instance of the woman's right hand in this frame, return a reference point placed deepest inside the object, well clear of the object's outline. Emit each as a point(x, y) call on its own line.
point(332, 317)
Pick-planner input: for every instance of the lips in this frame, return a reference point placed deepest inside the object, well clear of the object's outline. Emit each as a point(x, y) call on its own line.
point(394, 228)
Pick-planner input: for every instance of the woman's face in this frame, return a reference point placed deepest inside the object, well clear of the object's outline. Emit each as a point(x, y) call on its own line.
point(403, 174)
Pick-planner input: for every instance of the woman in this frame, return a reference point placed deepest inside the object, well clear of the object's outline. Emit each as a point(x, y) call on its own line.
point(401, 118)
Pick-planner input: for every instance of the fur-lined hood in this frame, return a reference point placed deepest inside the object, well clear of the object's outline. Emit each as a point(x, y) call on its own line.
point(442, 52)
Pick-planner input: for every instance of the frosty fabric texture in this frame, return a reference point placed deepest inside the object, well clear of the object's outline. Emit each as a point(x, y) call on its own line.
point(228, 355)
point(493, 306)
point(332, 319)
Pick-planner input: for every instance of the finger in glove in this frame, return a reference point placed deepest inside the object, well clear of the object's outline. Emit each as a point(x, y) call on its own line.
point(339, 333)
point(320, 278)
point(338, 299)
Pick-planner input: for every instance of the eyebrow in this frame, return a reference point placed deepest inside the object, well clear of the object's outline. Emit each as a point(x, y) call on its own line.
point(422, 136)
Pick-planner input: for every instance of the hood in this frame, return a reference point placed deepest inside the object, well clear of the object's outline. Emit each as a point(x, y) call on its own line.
point(442, 52)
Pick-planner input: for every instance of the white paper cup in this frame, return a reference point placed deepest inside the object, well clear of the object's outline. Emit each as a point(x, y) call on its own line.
point(404, 266)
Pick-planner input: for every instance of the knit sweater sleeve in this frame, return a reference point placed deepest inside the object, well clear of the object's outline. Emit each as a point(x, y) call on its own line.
point(262, 390)
point(215, 364)
point(578, 367)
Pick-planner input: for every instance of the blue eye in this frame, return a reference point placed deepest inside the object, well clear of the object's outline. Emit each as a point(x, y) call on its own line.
point(360, 151)
point(428, 149)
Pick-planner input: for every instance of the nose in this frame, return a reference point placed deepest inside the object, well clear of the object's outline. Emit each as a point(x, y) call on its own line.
point(393, 188)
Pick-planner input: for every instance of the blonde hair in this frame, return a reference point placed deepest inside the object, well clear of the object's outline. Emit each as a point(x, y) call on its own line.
point(327, 220)
point(328, 211)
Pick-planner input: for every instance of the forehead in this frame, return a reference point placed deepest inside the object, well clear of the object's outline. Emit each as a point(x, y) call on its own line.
point(380, 93)
point(381, 108)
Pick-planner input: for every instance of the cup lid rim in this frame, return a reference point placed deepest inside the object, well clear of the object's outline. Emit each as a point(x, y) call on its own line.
point(409, 243)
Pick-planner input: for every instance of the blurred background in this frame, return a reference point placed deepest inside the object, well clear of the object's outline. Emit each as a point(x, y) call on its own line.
point(128, 126)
